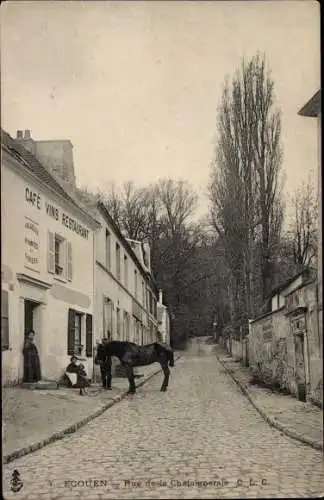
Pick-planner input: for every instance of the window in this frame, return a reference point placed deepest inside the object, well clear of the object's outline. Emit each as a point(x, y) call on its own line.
point(135, 283)
point(107, 317)
point(126, 270)
point(108, 250)
point(143, 293)
point(59, 256)
point(155, 308)
point(4, 321)
point(118, 261)
point(118, 322)
point(79, 332)
point(126, 326)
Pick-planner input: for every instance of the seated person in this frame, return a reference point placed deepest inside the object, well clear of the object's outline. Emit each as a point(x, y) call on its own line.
point(76, 375)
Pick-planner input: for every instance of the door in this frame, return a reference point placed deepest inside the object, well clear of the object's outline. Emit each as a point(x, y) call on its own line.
point(31, 321)
point(300, 367)
point(29, 316)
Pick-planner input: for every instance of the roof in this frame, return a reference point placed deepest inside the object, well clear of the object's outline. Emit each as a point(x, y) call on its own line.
point(31, 163)
point(307, 272)
point(313, 107)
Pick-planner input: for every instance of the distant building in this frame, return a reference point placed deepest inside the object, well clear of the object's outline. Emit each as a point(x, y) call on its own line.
point(313, 109)
point(284, 342)
point(47, 263)
point(163, 319)
point(126, 294)
point(277, 297)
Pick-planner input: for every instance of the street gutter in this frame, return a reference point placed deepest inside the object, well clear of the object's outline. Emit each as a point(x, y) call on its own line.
point(273, 422)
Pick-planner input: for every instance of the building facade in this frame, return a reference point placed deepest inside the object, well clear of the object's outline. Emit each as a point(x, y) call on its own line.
point(283, 343)
point(312, 109)
point(163, 320)
point(126, 295)
point(47, 265)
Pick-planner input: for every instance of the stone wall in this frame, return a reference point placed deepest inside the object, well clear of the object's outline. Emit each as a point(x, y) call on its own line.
point(236, 349)
point(314, 344)
point(270, 350)
point(271, 347)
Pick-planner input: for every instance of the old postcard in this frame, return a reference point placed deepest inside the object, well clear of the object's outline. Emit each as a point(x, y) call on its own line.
point(161, 214)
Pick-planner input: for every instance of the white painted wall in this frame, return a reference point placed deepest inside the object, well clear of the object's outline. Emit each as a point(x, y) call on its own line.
point(51, 326)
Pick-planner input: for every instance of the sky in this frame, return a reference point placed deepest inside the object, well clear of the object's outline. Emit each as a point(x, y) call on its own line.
point(135, 85)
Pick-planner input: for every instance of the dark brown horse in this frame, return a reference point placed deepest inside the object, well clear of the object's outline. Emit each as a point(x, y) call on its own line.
point(131, 355)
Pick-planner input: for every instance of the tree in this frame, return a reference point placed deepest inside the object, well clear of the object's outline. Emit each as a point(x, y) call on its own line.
point(245, 185)
point(303, 227)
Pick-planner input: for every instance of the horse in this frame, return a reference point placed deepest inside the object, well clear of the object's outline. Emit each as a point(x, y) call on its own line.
point(131, 355)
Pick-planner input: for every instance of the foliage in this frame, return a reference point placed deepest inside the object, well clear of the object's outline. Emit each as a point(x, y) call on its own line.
point(303, 228)
point(245, 185)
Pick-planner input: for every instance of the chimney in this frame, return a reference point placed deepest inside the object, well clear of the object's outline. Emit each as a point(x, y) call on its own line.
point(57, 156)
point(160, 297)
point(26, 141)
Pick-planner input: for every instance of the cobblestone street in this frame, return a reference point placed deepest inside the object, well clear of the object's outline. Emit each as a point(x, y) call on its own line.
point(201, 439)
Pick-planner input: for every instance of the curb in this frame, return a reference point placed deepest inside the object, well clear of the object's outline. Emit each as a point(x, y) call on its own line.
point(270, 420)
point(74, 427)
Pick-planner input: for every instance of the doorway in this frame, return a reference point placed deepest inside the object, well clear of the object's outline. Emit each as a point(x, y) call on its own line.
point(32, 313)
point(30, 308)
point(300, 367)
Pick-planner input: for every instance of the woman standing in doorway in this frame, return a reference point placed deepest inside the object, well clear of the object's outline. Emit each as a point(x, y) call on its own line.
point(32, 370)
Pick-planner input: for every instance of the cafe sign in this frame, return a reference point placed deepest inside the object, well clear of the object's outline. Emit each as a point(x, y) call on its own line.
point(31, 244)
point(35, 200)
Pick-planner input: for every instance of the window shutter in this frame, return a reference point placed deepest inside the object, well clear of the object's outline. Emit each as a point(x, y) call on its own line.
point(71, 327)
point(89, 346)
point(51, 252)
point(69, 261)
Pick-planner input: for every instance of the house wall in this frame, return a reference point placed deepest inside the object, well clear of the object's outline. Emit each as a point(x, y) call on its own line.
point(121, 291)
point(272, 343)
point(25, 270)
point(277, 302)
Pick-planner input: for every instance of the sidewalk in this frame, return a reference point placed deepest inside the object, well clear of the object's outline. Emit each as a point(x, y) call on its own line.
point(32, 419)
point(298, 420)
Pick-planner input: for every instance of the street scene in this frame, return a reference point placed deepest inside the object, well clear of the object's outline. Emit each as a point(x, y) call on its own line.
point(161, 249)
point(202, 439)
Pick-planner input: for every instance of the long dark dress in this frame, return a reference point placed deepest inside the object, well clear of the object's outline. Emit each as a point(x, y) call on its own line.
point(32, 369)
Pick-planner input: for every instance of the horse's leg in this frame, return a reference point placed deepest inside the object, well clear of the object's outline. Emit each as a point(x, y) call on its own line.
point(108, 376)
point(130, 375)
point(166, 371)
